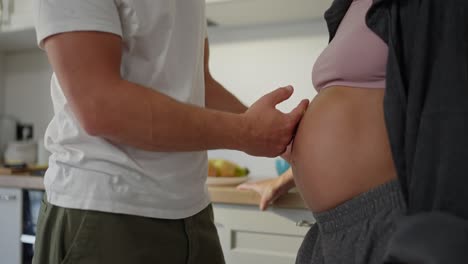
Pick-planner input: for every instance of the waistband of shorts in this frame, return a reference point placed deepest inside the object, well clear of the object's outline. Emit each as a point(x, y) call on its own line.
point(366, 205)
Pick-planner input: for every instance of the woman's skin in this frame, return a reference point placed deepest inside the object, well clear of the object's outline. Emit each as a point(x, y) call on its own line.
point(270, 189)
point(341, 150)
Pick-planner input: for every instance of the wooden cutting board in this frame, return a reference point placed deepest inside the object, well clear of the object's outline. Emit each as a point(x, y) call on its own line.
point(21, 171)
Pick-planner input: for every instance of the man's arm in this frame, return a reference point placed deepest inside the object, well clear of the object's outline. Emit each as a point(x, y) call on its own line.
point(87, 65)
point(216, 96)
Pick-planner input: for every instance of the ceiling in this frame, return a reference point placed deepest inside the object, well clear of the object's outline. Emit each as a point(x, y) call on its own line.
point(251, 12)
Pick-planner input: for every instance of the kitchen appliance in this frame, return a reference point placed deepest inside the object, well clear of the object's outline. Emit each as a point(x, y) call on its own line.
point(8, 132)
point(42, 154)
point(21, 152)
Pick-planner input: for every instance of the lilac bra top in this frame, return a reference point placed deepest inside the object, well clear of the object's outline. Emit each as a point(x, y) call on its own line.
point(356, 57)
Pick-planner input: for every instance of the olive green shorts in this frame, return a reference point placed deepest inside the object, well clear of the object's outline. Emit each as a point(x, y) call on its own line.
point(90, 237)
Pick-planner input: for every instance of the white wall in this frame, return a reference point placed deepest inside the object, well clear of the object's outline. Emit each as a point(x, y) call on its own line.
point(248, 61)
point(253, 61)
point(27, 96)
point(2, 89)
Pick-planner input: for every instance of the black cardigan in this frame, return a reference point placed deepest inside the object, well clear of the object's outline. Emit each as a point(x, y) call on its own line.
point(426, 114)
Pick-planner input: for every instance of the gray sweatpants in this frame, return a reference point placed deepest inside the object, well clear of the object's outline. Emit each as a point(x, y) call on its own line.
point(356, 232)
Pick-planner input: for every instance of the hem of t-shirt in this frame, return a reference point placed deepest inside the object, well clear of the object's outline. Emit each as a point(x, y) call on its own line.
point(115, 207)
point(58, 29)
point(366, 85)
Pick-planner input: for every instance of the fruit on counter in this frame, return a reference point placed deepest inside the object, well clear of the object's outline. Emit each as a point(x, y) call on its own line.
point(212, 172)
point(225, 168)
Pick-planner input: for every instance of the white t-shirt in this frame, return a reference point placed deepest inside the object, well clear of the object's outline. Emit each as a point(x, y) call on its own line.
point(163, 44)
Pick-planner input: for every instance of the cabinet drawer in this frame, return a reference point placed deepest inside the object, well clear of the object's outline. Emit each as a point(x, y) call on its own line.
point(250, 236)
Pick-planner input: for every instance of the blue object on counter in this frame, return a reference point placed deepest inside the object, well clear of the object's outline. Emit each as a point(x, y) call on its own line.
point(281, 166)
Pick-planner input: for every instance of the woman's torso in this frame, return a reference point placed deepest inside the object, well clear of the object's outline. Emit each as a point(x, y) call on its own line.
point(341, 148)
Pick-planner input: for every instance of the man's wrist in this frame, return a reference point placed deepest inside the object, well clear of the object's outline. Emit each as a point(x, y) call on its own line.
point(234, 130)
point(243, 132)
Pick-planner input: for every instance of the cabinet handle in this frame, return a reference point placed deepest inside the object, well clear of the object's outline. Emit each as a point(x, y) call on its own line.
point(304, 223)
point(5, 197)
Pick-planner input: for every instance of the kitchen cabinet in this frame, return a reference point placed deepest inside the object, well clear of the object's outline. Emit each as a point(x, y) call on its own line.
point(17, 25)
point(10, 225)
point(249, 236)
point(17, 14)
point(257, 12)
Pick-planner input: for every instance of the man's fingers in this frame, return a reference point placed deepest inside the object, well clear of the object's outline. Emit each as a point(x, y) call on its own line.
point(287, 154)
point(279, 95)
point(297, 113)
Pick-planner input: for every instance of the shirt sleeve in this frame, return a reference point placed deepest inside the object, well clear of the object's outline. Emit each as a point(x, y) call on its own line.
point(60, 16)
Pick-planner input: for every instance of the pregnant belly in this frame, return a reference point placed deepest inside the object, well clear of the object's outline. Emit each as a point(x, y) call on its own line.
point(341, 148)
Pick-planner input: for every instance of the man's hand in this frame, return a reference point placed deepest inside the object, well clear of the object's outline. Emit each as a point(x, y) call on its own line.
point(269, 130)
point(287, 154)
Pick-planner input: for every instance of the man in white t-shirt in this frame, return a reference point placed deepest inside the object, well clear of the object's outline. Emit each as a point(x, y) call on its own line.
point(126, 181)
